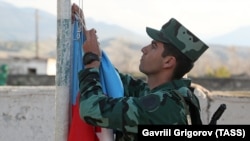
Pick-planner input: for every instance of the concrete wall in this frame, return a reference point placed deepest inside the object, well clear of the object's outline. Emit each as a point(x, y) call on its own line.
point(237, 111)
point(224, 84)
point(31, 80)
point(28, 113)
point(237, 106)
point(220, 84)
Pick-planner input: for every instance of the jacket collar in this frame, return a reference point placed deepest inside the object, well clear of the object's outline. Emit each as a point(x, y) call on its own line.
point(175, 84)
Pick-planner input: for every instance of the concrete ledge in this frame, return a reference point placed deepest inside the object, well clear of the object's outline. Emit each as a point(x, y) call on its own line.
point(238, 104)
point(28, 113)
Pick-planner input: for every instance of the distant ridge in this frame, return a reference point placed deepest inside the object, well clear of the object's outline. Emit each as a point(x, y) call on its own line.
point(17, 39)
point(238, 37)
point(19, 23)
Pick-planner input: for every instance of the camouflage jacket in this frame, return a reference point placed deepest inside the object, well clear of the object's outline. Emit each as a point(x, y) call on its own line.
point(140, 105)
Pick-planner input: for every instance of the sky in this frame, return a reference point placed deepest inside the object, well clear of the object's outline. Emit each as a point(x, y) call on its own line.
point(205, 18)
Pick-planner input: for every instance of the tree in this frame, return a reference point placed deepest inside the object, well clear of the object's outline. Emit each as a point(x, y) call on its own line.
point(222, 72)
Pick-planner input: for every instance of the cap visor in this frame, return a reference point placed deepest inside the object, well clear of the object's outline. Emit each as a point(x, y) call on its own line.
point(155, 35)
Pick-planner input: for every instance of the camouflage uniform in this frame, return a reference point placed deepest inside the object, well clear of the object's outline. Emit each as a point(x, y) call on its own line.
point(164, 104)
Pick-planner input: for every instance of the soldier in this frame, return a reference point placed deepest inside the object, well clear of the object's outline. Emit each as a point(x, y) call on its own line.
point(166, 98)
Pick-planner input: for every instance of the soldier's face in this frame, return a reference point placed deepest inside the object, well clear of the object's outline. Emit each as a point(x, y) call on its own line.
point(152, 61)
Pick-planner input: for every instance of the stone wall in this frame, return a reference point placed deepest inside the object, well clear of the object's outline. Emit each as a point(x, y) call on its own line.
point(31, 80)
point(226, 84)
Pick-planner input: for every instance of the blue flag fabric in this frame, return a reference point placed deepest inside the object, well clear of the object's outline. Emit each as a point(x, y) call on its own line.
point(76, 57)
point(110, 79)
point(111, 86)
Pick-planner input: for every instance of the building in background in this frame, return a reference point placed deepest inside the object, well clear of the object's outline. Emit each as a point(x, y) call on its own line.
point(31, 66)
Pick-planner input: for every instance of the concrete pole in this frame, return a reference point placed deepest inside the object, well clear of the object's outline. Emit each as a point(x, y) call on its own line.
point(63, 73)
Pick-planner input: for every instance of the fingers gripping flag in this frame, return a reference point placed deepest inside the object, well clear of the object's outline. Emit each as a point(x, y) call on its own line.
point(111, 84)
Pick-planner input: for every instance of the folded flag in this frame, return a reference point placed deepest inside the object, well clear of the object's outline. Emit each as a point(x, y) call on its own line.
point(111, 85)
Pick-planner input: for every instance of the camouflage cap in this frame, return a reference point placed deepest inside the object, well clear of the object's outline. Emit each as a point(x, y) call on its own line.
point(175, 33)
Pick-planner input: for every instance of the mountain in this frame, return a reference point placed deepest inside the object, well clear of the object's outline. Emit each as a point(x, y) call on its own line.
point(19, 24)
point(238, 37)
point(233, 59)
point(18, 33)
point(17, 39)
point(107, 31)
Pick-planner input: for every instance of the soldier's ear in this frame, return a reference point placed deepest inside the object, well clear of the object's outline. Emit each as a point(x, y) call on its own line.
point(169, 62)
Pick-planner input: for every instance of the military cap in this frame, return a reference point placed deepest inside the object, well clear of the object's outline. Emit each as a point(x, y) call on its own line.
point(175, 33)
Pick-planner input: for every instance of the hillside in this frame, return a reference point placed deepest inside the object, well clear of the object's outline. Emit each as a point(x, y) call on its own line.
point(17, 39)
point(19, 23)
point(238, 37)
point(233, 58)
point(17, 36)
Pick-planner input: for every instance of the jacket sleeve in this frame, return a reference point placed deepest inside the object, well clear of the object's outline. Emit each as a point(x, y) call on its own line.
point(125, 113)
point(99, 110)
point(132, 86)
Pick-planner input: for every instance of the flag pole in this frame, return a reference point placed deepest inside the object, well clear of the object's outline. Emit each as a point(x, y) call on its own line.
point(63, 70)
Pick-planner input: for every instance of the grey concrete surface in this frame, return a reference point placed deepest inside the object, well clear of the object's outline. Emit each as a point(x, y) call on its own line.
point(28, 113)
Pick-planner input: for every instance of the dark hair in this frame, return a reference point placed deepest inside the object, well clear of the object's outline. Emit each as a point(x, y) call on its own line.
point(184, 64)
